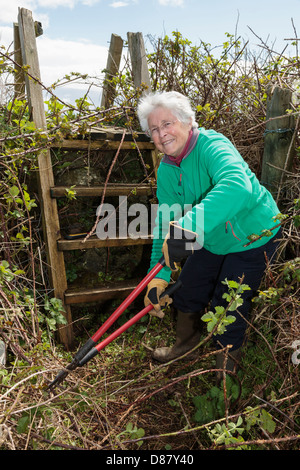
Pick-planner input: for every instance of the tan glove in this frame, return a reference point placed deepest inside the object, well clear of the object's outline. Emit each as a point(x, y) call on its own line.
point(155, 289)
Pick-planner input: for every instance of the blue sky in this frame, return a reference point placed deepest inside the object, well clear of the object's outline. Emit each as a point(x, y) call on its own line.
point(77, 32)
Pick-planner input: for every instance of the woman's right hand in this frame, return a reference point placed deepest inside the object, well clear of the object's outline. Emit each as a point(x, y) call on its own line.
point(154, 296)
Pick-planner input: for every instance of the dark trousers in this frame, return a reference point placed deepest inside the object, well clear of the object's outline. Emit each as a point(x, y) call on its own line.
point(202, 276)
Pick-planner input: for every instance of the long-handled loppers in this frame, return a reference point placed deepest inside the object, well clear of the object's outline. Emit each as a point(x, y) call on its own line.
point(91, 348)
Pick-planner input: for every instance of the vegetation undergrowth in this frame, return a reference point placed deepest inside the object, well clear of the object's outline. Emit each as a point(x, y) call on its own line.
point(122, 400)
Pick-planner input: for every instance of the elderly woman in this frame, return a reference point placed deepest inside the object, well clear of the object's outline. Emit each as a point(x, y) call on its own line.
point(211, 191)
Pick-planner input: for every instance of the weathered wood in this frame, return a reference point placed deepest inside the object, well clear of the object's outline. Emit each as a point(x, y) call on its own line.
point(102, 293)
point(112, 68)
point(116, 133)
point(30, 59)
point(99, 145)
point(138, 57)
point(95, 242)
point(279, 136)
point(18, 71)
point(45, 175)
point(111, 189)
point(19, 84)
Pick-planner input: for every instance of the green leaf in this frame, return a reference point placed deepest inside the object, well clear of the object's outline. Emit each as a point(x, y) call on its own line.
point(211, 324)
point(14, 191)
point(232, 284)
point(230, 319)
point(267, 422)
point(235, 304)
point(219, 310)
point(23, 423)
point(207, 316)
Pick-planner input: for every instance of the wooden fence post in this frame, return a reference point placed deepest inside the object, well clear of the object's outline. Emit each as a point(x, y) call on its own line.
point(19, 84)
point(137, 52)
point(279, 138)
point(18, 73)
point(45, 174)
point(112, 67)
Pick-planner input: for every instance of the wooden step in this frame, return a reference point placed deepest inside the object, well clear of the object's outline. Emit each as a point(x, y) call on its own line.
point(116, 133)
point(95, 242)
point(110, 190)
point(118, 290)
point(113, 134)
point(77, 144)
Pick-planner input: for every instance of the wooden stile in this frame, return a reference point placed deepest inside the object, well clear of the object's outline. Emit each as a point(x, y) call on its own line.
point(110, 190)
point(98, 139)
point(51, 225)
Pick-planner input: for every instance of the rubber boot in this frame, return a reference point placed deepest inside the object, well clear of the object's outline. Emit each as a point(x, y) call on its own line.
point(232, 364)
point(187, 337)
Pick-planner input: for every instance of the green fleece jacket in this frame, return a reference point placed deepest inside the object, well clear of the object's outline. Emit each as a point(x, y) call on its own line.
point(214, 193)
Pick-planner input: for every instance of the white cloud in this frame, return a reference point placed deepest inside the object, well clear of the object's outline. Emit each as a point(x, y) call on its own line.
point(118, 4)
point(6, 36)
point(90, 3)
point(9, 10)
point(56, 3)
point(171, 3)
point(58, 57)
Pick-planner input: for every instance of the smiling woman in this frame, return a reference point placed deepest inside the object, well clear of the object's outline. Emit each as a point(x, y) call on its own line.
point(202, 169)
point(169, 135)
point(169, 120)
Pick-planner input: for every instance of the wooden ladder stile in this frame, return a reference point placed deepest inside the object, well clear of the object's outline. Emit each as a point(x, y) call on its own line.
point(98, 139)
point(105, 139)
point(51, 227)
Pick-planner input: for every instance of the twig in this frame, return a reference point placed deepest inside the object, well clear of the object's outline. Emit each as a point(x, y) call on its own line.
point(104, 189)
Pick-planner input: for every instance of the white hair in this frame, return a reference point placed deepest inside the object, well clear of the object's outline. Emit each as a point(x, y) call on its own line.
point(175, 102)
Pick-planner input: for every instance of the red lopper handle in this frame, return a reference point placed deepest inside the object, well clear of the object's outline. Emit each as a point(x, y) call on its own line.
point(94, 351)
point(139, 288)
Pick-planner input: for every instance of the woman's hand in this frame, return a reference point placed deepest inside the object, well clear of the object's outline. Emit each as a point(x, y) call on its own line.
point(154, 296)
point(178, 245)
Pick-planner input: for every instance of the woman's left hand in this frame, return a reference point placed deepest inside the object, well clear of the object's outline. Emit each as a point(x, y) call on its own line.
point(178, 245)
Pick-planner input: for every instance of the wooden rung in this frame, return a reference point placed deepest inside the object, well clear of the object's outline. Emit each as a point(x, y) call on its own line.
point(102, 293)
point(99, 145)
point(95, 242)
point(115, 133)
point(110, 190)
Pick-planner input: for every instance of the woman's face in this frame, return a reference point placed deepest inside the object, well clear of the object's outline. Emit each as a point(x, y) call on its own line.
point(169, 135)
